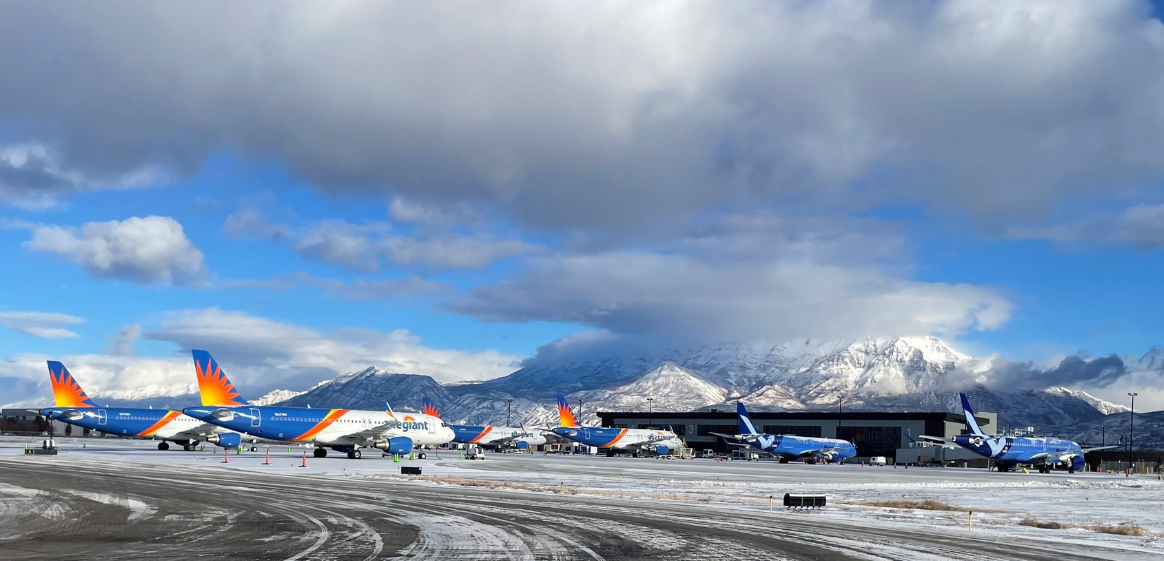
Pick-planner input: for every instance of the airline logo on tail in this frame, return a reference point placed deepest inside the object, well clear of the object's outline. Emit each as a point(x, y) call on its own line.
point(213, 384)
point(66, 391)
point(746, 427)
point(979, 439)
point(430, 408)
point(566, 417)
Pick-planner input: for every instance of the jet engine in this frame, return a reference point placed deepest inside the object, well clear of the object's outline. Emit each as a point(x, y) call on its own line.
point(662, 449)
point(396, 445)
point(225, 439)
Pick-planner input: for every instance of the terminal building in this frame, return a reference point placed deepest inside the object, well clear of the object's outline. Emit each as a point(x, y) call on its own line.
point(874, 433)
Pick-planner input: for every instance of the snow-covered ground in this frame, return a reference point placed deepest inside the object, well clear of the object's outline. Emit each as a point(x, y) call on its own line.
point(999, 500)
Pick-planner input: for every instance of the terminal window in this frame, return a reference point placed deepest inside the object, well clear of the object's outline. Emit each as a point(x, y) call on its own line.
point(706, 430)
point(872, 441)
point(796, 430)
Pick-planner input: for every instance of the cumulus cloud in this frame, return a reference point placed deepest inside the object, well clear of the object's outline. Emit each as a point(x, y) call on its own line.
point(153, 249)
point(122, 342)
point(604, 114)
point(32, 177)
point(40, 324)
point(1141, 226)
point(365, 246)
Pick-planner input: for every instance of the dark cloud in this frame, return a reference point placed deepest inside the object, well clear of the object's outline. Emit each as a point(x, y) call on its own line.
point(744, 279)
point(1072, 371)
point(1141, 226)
point(605, 115)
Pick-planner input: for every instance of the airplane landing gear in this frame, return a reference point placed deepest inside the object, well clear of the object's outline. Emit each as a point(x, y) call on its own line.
point(163, 446)
point(320, 453)
point(783, 460)
point(189, 447)
point(610, 453)
point(421, 456)
point(355, 454)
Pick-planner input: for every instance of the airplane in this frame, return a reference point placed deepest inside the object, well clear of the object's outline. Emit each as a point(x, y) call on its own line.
point(489, 435)
point(1009, 452)
point(75, 407)
point(660, 442)
point(790, 447)
point(342, 430)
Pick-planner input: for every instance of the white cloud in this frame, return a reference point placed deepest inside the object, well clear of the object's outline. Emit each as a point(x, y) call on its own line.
point(32, 177)
point(256, 342)
point(258, 354)
point(40, 324)
point(145, 250)
point(615, 114)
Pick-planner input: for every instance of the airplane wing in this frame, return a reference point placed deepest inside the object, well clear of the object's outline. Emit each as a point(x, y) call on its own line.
point(369, 434)
point(934, 438)
point(740, 437)
point(1086, 450)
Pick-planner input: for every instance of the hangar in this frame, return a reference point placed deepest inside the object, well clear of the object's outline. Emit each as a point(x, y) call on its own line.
point(875, 433)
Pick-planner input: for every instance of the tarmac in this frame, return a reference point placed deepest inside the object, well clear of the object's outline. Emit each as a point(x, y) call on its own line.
point(125, 500)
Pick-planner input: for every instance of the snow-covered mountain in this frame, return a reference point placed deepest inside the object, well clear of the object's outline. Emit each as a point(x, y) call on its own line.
point(277, 396)
point(1105, 407)
point(671, 387)
point(896, 373)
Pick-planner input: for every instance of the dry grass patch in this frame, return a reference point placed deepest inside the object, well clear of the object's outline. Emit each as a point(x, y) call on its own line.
point(1036, 523)
point(1127, 529)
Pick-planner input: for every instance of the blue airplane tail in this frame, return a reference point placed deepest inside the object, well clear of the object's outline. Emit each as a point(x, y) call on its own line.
point(746, 427)
point(215, 387)
point(970, 421)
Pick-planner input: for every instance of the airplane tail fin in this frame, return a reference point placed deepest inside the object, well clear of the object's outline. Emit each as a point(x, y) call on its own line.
point(566, 417)
point(746, 427)
point(970, 421)
point(213, 384)
point(430, 407)
point(66, 391)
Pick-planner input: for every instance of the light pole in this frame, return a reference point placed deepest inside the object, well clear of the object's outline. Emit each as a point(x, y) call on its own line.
point(1131, 426)
point(509, 415)
point(579, 412)
point(650, 411)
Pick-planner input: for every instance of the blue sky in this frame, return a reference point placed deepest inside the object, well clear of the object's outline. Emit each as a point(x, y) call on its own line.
point(316, 198)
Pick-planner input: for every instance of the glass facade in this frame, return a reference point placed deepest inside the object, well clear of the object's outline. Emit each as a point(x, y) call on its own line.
point(872, 441)
point(706, 430)
point(797, 430)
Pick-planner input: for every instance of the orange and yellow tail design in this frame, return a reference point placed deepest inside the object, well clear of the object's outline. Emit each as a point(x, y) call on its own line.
point(66, 391)
point(566, 417)
point(214, 386)
point(430, 408)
